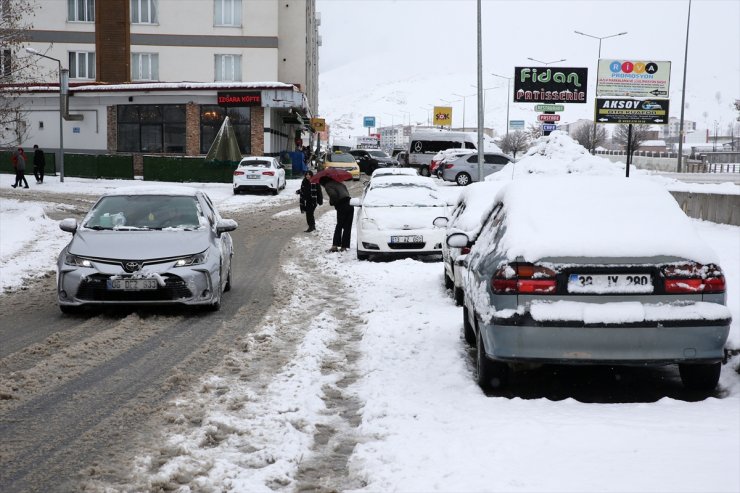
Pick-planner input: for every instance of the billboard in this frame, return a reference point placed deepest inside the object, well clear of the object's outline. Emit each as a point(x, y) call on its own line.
point(443, 115)
point(550, 85)
point(632, 79)
point(368, 121)
point(631, 111)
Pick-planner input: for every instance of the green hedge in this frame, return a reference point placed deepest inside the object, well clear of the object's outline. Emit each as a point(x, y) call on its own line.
point(6, 166)
point(112, 166)
point(187, 169)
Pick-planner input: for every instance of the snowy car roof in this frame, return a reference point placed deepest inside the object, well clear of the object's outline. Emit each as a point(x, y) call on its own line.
point(153, 190)
point(587, 216)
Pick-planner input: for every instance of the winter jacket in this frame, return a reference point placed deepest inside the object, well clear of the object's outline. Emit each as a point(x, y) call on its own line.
point(39, 160)
point(20, 161)
point(311, 195)
point(337, 192)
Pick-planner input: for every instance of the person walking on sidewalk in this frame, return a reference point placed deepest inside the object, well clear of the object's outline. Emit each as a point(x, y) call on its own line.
point(39, 163)
point(339, 197)
point(311, 197)
point(19, 158)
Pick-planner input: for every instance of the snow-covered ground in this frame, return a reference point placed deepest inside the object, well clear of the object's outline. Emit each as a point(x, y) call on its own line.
point(425, 425)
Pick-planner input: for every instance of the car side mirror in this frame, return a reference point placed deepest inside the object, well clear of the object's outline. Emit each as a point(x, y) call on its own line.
point(441, 222)
point(225, 225)
point(355, 202)
point(458, 240)
point(69, 225)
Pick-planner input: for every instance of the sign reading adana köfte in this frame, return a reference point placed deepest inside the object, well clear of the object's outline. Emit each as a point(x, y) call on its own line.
point(550, 85)
point(632, 79)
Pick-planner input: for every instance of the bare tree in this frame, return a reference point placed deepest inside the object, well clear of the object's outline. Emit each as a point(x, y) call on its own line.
point(515, 142)
point(534, 131)
point(15, 72)
point(640, 134)
point(584, 135)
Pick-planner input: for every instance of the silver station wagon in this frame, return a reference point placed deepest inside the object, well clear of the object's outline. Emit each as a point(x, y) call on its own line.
point(592, 270)
point(146, 246)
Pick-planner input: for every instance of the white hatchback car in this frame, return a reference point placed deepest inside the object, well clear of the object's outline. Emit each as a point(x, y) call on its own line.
point(396, 216)
point(259, 173)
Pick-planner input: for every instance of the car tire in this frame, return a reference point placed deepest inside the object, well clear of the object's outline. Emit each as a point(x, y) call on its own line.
point(462, 179)
point(70, 310)
point(449, 283)
point(424, 171)
point(489, 374)
point(236, 192)
point(468, 331)
point(704, 376)
point(459, 296)
point(275, 191)
point(227, 287)
point(362, 256)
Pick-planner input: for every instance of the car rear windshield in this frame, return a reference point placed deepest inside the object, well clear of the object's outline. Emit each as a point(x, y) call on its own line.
point(259, 164)
point(378, 153)
point(126, 212)
point(341, 158)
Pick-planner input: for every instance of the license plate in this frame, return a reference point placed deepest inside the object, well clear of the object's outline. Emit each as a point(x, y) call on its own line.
point(407, 239)
point(253, 177)
point(132, 284)
point(610, 283)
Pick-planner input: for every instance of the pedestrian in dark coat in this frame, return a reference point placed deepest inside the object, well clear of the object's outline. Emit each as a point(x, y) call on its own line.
point(339, 197)
point(311, 197)
point(20, 168)
point(39, 163)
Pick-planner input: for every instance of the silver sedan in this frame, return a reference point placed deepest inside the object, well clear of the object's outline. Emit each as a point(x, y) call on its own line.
point(146, 246)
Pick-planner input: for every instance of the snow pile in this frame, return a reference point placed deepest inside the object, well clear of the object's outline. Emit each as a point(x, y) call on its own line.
point(625, 312)
point(558, 154)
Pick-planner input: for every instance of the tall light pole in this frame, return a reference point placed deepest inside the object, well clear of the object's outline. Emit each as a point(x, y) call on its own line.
point(428, 108)
point(683, 92)
point(479, 93)
point(546, 63)
point(62, 92)
point(600, 38)
point(450, 103)
point(463, 100)
point(508, 98)
point(484, 100)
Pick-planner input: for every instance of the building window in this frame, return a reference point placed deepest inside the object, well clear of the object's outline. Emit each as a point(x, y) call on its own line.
point(211, 119)
point(228, 68)
point(144, 66)
point(81, 10)
point(228, 13)
point(144, 12)
point(151, 128)
point(81, 65)
point(6, 66)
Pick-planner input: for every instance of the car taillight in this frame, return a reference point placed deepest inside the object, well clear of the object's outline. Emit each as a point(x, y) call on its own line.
point(693, 278)
point(268, 173)
point(238, 173)
point(449, 165)
point(524, 278)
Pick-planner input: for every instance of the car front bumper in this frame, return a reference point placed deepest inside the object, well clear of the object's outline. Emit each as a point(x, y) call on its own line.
point(378, 242)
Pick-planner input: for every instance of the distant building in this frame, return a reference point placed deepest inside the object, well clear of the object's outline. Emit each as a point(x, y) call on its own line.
point(671, 131)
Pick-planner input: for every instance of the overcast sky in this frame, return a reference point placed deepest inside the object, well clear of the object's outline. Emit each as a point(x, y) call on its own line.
point(434, 35)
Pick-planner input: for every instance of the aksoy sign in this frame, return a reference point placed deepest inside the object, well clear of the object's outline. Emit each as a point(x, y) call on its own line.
point(550, 85)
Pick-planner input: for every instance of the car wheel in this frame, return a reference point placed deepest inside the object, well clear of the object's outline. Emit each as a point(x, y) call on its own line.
point(424, 171)
point(700, 376)
point(70, 310)
point(275, 191)
point(228, 282)
point(489, 374)
point(462, 179)
point(468, 331)
point(362, 256)
point(236, 192)
point(459, 295)
point(449, 283)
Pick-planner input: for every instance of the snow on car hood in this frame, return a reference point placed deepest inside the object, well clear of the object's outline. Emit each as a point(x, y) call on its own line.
point(405, 217)
point(140, 244)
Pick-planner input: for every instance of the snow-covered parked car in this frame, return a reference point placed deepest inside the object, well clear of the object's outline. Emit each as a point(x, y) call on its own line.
point(474, 204)
point(260, 173)
point(463, 170)
point(592, 270)
point(146, 246)
point(442, 156)
point(396, 215)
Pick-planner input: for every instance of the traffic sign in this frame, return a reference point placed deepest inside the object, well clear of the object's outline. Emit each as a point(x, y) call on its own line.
point(318, 124)
point(549, 127)
point(548, 117)
point(368, 121)
point(443, 115)
point(635, 111)
point(549, 107)
point(516, 124)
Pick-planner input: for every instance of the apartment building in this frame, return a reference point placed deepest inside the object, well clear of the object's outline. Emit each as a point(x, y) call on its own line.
point(159, 76)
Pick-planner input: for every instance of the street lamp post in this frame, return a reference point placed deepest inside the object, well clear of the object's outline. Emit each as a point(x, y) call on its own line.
point(450, 103)
point(508, 93)
point(546, 63)
point(62, 91)
point(600, 38)
point(428, 108)
point(484, 100)
point(463, 100)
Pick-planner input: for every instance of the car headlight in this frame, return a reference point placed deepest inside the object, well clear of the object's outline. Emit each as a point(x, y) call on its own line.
point(369, 224)
point(70, 259)
point(196, 259)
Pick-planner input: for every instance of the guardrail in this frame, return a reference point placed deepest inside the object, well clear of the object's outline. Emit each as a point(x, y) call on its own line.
point(712, 207)
point(711, 168)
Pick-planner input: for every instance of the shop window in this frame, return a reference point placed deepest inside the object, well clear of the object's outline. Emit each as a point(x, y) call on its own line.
point(211, 119)
point(151, 128)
